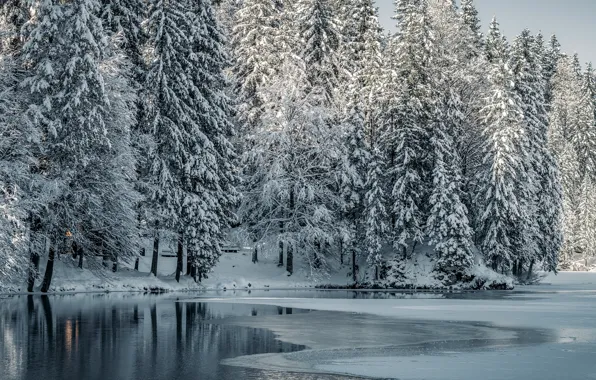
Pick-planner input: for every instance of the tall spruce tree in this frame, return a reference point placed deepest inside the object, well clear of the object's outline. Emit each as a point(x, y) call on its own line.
point(407, 118)
point(504, 173)
point(69, 107)
point(320, 39)
point(254, 38)
point(191, 165)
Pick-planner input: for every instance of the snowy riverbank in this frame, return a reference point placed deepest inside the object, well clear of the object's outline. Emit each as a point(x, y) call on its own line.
point(234, 271)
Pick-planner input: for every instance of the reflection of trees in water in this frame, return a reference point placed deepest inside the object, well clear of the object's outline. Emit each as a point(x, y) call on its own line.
point(59, 338)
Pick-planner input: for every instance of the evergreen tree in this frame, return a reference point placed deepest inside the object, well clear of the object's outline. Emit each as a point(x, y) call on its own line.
point(572, 141)
point(496, 44)
point(407, 122)
point(352, 177)
point(375, 213)
point(212, 197)
point(469, 15)
point(124, 18)
point(255, 57)
point(319, 34)
point(551, 61)
point(69, 107)
point(505, 173)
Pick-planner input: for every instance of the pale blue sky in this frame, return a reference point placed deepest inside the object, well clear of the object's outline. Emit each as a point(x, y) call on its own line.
point(573, 21)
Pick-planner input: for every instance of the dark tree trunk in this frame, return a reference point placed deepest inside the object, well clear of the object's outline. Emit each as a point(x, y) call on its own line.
point(290, 259)
point(114, 263)
point(81, 254)
point(155, 251)
point(137, 264)
point(280, 262)
point(255, 254)
point(529, 277)
point(180, 256)
point(33, 254)
point(47, 278)
point(192, 265)
point(376, 273)
point(354, 267)
point(188, 261)
point(341, 251)
point(316, 260)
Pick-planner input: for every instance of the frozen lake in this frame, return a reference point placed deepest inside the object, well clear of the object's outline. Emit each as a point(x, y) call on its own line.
point(543, 332)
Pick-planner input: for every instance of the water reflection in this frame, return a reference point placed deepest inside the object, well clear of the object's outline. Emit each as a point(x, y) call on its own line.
point(131, 337)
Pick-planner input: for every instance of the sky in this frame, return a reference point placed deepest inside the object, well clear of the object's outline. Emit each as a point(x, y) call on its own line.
point(573, 21)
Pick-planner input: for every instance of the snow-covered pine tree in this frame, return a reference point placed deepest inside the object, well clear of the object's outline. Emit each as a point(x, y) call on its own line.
point(504, 173)
point(550, 62)
point(550, 197)
point(448, 226)
point(375, 212)
point(170, 115)
point(364, 53)
point(320, 39)
point(572, 141)
point(352, 177)
point(15, 154)
point(527, 70)
point(496, 44)
point(254, 38)
point(469, 15)
point(586, 217)
point(14, 14)
point(360, 53)
point(192, 177)
point(123, 18)
point(69, 107)
point(407, 123)
point(209, 206)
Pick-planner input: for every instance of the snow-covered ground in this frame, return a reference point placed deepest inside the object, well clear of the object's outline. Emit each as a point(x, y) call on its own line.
point(234, 271)
point(537, 332)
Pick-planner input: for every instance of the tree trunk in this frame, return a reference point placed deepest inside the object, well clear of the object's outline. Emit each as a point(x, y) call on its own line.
point(317, 251)
point(80, 253)
point(137, 264)
point(280, 262)
point(192, 267)
point(47, 278)
point(33, 254)
point(188, 261)
point(341, 251)
point(155, 251)
point(290, 259)
point(114, 263)
point(255, 254)
point(179, 256)
point(529, 277)
point(354, 269)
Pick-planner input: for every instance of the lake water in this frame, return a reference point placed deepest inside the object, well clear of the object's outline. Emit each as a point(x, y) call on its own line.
point(112, 337)
point(234, 336)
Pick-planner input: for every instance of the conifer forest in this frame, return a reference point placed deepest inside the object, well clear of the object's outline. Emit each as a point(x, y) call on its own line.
point(295, 127)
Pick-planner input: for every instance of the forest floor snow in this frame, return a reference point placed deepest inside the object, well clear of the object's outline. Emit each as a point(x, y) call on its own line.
point(234, 271)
